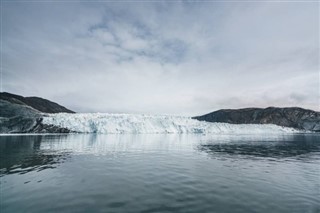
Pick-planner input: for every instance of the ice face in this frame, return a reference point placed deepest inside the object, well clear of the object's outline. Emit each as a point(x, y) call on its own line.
point(140, 123)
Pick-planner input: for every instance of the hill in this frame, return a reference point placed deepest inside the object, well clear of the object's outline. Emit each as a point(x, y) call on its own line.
point(294, 117)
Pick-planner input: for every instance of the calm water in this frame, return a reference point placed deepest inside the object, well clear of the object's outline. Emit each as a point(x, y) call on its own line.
point(160, 173)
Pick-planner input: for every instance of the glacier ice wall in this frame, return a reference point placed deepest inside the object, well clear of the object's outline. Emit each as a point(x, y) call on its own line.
point(141, 123)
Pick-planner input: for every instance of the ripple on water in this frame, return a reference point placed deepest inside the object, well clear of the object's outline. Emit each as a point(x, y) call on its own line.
point(160, 173)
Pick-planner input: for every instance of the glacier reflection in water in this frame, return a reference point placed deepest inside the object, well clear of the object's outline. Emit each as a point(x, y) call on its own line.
point(160, 173)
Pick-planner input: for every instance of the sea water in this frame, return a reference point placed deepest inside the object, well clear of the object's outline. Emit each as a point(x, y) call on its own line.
point(160, 173)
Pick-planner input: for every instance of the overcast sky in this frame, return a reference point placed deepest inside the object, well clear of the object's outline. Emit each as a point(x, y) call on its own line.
point(162, 58)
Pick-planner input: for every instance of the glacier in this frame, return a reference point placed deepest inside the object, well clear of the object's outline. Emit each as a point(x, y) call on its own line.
point(108, 123)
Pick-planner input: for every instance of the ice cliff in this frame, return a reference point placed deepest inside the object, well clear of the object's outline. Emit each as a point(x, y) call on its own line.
point(141, 123)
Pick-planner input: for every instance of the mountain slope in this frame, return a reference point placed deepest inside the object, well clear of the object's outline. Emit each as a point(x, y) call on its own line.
point(37, 103)
point(294, 117)
point(25, 115)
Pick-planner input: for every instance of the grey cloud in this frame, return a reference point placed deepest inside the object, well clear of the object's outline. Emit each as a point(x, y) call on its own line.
point(163, 57)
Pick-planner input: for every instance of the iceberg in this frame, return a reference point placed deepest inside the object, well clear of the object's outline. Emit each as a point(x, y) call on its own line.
point(107, 123)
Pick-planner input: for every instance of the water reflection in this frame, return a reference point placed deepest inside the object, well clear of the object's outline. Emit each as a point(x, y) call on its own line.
point(23, 154)
point(147, 173)
point(275, 147)
point(26, 153)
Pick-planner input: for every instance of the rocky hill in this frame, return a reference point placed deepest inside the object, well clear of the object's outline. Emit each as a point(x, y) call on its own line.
point(37, 103)
point(294, 117)
point(24, 115)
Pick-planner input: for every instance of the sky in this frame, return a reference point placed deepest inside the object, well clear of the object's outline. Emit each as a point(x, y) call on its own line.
point(161, 57)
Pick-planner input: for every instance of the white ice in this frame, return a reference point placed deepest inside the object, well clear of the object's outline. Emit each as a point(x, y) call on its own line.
point(141, 123)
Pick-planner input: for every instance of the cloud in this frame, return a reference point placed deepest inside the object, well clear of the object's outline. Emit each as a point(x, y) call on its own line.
point(163, 57)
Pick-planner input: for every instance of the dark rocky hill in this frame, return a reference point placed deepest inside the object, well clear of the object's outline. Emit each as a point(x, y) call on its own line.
point(294, 117)
point(24, 115)
point(37, 103)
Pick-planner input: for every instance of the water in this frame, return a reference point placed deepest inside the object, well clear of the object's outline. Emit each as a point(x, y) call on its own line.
point(160, 173)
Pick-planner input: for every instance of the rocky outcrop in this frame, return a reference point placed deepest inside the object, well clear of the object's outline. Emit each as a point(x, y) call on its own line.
point(24, 115)
point(294, 117)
